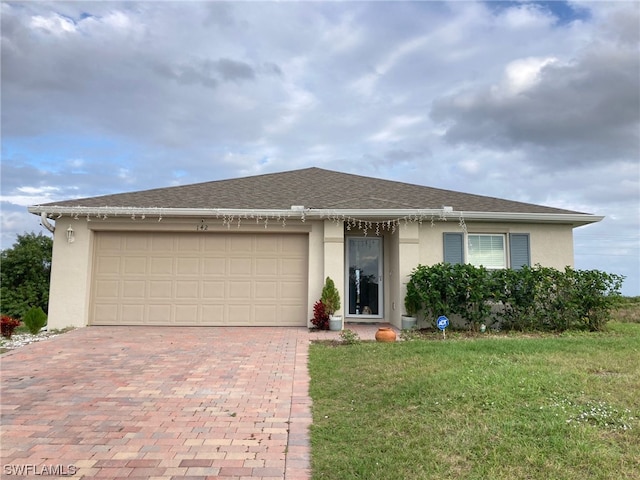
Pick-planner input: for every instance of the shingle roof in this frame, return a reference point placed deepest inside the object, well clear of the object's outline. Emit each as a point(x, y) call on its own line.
point(313, 188)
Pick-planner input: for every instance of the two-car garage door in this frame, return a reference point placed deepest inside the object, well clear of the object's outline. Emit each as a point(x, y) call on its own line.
point(155, 278)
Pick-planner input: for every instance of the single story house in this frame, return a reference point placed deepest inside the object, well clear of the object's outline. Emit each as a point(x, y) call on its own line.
point(255, 251)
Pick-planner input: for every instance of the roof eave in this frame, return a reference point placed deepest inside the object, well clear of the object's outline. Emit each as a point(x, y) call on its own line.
point(575, 219)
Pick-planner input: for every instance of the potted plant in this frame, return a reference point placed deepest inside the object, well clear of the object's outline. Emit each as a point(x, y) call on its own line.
point(411, 307)
point(330, 298)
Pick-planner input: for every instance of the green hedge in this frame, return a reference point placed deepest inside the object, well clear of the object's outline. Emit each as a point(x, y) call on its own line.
point(538, 298)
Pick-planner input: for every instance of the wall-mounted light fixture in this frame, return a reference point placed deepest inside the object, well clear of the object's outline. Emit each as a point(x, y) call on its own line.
point(71, 235)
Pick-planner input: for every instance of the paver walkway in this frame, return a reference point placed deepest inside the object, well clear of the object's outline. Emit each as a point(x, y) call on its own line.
point(158, 403)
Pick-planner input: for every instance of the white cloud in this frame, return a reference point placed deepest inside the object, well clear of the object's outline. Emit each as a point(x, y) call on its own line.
point(523, 74)
point(27, 195)
point(515, 100)
point(55, 24)
point(526, 16)
point(396, 128)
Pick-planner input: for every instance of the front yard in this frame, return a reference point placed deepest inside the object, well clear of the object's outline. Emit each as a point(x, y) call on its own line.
point(496, 407)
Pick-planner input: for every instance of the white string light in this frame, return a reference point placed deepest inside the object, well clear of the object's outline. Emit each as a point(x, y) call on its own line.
point(366, 225)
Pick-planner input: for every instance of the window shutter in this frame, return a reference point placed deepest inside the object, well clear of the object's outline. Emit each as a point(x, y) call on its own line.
point(519, 250)
point(453, 248)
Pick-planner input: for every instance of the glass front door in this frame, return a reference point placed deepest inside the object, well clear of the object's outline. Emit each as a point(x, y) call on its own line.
point(364, 258)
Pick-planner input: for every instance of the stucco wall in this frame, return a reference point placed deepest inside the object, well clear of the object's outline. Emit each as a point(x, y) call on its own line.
point(72, 263)
point(333, 259)
point(410, 245)
point(551, 244)
point(70, 275)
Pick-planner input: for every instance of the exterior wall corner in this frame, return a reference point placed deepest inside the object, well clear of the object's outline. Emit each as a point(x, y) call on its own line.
point(70, 276)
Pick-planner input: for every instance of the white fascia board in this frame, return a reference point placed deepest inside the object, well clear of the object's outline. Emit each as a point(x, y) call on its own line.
point(54, 211)
point(575, 219)
point(566, 218)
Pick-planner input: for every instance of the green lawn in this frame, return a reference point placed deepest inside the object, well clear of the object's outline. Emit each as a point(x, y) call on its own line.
point(494, 407)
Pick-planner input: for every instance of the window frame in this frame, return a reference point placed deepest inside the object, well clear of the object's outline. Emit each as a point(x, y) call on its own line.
point(517, 248)
point(505, 252)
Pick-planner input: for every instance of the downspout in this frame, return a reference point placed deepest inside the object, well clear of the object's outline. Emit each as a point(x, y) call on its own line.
point(45, 222)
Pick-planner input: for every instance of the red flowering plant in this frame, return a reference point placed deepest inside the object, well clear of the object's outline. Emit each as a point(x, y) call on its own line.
point(8, 325)
point(320, 316)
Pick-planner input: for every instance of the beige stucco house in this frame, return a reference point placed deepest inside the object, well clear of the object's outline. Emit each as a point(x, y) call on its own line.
point(255, 251)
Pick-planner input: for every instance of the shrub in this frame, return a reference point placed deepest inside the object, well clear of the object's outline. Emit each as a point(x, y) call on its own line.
point(35, 319)
point(8, 325)
point(436, 289)
point(412, 300)
point(330, 297)
point(474, 291)
point(320, 316)
point(25, 273)
point(593, 295)
point(539, 298)
point(349, 337)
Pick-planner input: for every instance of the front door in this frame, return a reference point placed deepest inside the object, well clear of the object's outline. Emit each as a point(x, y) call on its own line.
point(364, 278)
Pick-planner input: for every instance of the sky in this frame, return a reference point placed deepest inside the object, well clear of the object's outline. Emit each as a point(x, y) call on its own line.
point(530, 101)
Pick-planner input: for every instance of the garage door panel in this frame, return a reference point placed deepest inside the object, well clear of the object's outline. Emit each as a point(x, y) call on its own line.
point(240, 266)
point(267, 244)
point(215, 243)
point(215, 266)
point(240, 290)
point(134, 289)
point(288, 314)
point(160, 314)
point(186, 314)
point(167, 278)
point(241, 243)
point(137, 242)
point(161, 265)
point(109, 264)
point(293, 247)
point(239, 314)
point(266, 290)
point(187, 289)
point(188, 244)
point(133, 314)
point(213, 290)
point(292, 290)
point(212, 314)
point(109, 242)
point(266, 314)
point(135, 265)
point(107, 289)
point(291, 266)
point(105, 314)
point(162, 243)
point(267, 266)
point(160, 289)
point(188, 266)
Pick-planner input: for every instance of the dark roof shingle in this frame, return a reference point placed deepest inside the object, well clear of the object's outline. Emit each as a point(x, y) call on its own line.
point(312, 188)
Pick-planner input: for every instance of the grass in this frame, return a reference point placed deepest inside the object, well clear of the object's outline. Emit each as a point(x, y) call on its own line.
point(627, 310)
point(498, 407)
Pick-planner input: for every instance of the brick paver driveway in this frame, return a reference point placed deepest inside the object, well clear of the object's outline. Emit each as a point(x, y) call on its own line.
point(161, 403)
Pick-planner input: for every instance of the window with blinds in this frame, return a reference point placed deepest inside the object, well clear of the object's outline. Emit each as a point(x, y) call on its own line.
point(486, 250)
point(490, 250)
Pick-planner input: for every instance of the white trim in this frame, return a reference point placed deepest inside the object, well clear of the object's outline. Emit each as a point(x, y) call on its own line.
point(347, 283)
point(576, 219)
point(505, 256)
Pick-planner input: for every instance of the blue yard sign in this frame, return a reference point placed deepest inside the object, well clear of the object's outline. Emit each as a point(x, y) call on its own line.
point(443, 322)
